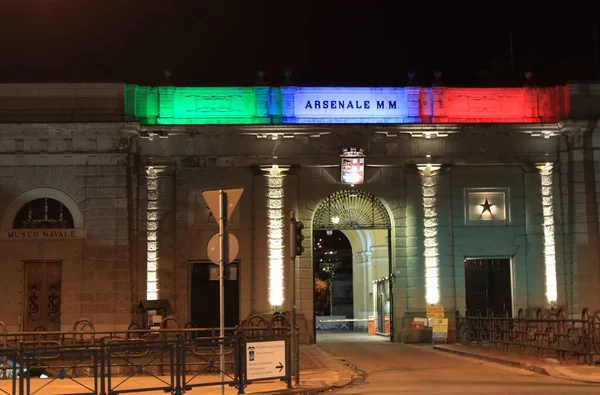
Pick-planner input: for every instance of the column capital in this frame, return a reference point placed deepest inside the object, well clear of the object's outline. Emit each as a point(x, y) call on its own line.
point(429, 169)
point(275, 170)
point(154, 171)
point(545, 168)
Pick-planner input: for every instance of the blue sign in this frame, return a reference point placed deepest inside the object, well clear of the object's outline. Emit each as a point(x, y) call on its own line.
point(350, 105)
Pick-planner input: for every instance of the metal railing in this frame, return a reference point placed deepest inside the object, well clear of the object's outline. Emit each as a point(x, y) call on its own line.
point(550, 335)
point(135, 361)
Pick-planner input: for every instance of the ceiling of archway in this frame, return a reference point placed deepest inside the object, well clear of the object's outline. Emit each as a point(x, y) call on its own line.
point(351, 209)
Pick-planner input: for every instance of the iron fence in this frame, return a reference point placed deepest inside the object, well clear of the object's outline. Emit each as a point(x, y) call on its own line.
point(550, 335)
point(135, 361)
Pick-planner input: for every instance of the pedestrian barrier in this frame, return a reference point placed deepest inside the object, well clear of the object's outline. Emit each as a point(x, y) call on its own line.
point(552, 335)
point(109, 363)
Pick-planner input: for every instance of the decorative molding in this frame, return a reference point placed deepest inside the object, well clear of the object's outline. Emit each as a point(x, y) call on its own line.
point(13, 208)
point(487, 206)
point(429, 169)
point(351, 209)
point(575, 139)
point(287, 135)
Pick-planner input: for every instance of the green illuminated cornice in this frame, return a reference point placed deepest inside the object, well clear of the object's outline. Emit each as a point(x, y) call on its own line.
point(168, 105)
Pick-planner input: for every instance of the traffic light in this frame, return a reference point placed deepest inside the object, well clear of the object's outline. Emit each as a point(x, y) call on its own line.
point(298, 247)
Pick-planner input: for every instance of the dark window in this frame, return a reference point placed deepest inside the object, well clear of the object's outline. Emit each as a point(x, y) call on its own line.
point(44, 213)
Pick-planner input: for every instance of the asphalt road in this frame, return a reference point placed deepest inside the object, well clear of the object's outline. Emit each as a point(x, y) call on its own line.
point(392, 368)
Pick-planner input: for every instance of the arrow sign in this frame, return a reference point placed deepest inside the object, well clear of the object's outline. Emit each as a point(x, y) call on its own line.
point(212, 200)
point(263, 359)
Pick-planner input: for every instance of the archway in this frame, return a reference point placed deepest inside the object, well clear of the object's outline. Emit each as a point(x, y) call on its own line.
point(354, 220)
point(12, 210)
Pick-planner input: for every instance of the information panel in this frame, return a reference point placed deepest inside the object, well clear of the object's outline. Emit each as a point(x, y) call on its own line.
point(440, 329)
point(435, 311)
point(265, 359)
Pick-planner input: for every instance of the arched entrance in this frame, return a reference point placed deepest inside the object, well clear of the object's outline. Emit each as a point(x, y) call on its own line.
point(40, 226)
point(352, 258)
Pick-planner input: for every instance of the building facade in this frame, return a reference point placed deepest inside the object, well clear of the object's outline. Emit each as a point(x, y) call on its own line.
point(464, 198)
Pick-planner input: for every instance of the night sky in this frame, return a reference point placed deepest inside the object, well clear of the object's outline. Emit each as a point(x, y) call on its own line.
point(325, 42)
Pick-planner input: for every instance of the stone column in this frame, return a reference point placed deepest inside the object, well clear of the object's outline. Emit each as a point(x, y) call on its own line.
point(528, 267)
point(546, 171)
point(276, 224)
point(362, 286)
point(429, 177)
point(152, 264)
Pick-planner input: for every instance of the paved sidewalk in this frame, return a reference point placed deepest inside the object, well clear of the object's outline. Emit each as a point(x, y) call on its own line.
point(549, 366)
point(319, 371)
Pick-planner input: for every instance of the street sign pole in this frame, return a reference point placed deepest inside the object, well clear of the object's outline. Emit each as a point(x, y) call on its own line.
point(221, 203)
point(222, 262)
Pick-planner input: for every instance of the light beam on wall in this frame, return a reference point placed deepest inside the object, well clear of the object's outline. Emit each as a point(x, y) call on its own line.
point(152, 283)
point(430, 233)
point(549, 244)
point(275, 232)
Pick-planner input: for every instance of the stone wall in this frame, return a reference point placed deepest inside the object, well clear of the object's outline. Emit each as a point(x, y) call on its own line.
point(56, 161)
point(101, 170)
point(62, 102)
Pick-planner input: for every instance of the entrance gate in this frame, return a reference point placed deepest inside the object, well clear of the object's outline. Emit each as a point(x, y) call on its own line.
point(355, 210)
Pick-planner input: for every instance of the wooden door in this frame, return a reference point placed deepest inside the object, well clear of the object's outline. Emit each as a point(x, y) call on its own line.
point(43, 281)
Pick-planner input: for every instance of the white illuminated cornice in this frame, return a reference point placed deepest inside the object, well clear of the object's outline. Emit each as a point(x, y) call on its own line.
point(276, 132)
point(419, 130)
point(154, 134)
point(544, 130)
point(427, 131)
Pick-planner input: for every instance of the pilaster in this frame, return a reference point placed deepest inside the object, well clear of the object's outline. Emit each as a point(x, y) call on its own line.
point(152, 224)
point(579, 203)
point(429, 180)
point(547, 202)
point(275, 234)
point(528, 272)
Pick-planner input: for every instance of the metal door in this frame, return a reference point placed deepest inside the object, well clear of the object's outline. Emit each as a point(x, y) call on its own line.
point(43, 296)
point(488, 286)
point(204, 303)
point(380, 307)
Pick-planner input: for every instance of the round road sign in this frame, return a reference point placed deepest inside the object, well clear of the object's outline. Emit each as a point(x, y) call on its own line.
point(214, 247)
